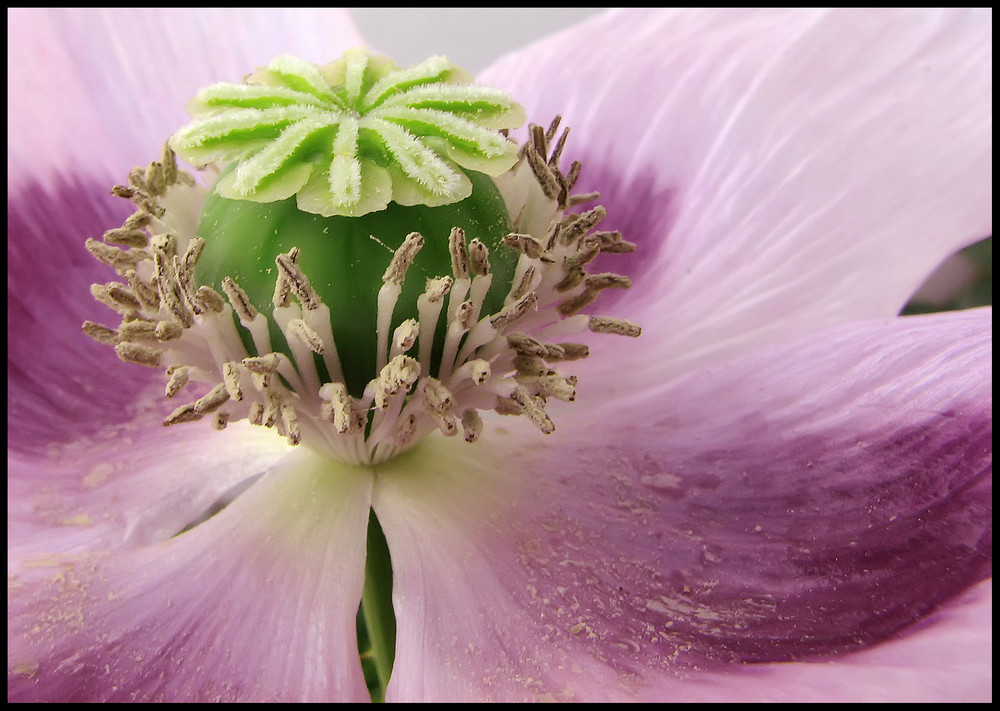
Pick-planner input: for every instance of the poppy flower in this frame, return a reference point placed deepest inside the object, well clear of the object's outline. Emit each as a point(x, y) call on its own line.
point(780, 491)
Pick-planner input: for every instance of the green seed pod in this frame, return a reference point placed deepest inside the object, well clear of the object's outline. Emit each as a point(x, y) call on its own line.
point(345, 259)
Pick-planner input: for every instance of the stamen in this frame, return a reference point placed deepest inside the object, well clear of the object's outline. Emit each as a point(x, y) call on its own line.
point(184, 413)
point(604, 324)
point(231, 380)
point(126, 237)
point(472, 425)
point(239, 300)
point(300, 330)
point(402, 258)
point(212, 400)
point(480, 258)
point(101, 334)
point(178, 378)
point(512, 313)
point(119, 259)
point(220, 420)
point(297, 281)
point(136, 353)
point(459, 253)
point(534, 408)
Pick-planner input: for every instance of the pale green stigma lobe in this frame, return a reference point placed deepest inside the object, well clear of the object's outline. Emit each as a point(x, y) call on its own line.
point(351, 136)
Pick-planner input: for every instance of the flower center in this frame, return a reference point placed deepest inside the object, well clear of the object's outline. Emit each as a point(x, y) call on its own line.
point(354, 325)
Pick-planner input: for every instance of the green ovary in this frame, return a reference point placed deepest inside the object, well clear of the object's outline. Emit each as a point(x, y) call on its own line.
point(344, 259)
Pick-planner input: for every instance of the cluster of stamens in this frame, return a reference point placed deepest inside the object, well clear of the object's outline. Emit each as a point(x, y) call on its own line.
point(498, 361)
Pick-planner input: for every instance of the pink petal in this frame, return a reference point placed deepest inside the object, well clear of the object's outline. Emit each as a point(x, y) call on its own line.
point(782, 171)
point(61, 384)
point(256, 604)
point(797, 504)
point(98, 91)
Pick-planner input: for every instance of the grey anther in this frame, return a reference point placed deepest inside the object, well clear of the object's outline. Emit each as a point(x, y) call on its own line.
point(574, 351)
point(579, 225)
point(557, 386)
point(231, 379)
point(209, 299)
point(155, 182)
point(586, 254)
point(115, 257)
point(116, 296)
point(194, 249)
point(531, 366)
point(437, 288)
point(137, 221)
point(396, 377)
point(538, 142)
point(239, 300)
point(524, 344)
point(472, 425)
point(581, 198)
point(510, 314)
point(524, 284)
point(262, 364)
point(168, 330)
point(465, 313)
point(100, 333)
point(620, 327)
point(436, 396)
point(576, 303)
point(554, 353)
point(126, 237)
point(557, 150)
point(148, 294)
point(302, 331)
point(543, 174)
point(177, 378)
point(402, 258)
point(405, 335)
point(184, 413)
point(525, 244)
point(479, 256)
point(290, 424)
point(137, 353)
point(298, 282)
point(459, 253)
point(220, 420)
point(550, 132)
point(256, 414)
point(137, 330)
point(445, 422)
point(607, 280)
point(338, 407)
point(534, 408)
point(573, 175)
point(212, 400)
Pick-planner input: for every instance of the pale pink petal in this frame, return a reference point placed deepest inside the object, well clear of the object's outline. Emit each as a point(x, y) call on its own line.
point(130, 485)
point(98, 91)
point(256, 604)
point(797, 504)
point(782, 171)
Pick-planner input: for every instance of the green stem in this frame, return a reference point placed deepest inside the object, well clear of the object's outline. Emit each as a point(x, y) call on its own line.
point(376, 614)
